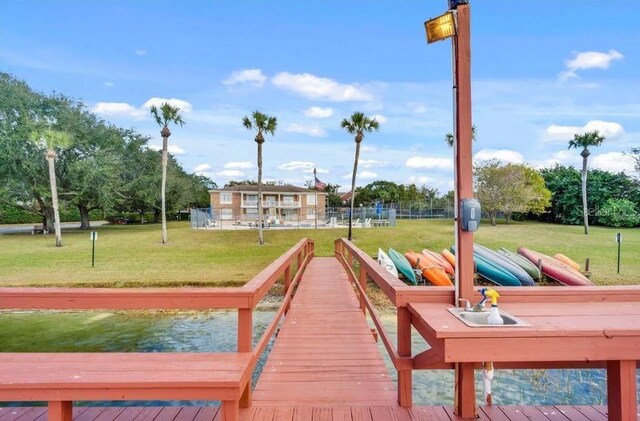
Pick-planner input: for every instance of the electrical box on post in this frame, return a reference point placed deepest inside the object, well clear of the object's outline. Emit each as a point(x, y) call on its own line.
point(470, 214)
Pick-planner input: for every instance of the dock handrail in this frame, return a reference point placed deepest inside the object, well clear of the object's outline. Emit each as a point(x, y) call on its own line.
point(244, 299)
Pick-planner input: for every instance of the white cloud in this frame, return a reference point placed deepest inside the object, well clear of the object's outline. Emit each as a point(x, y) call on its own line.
point(239, 165)
point(318, 170)
point(427, 162)
point(308, 130)
point(201, 168)
point(230, 173)
point(369, 163)
point(614, 162)
point(297, 165)
point(504, 155)
point(183, 105)
point(253, 77)
point(380, 118)
point(123, 109)
point(315, 87)
point(367, 148)
point(108, 84)
point(421, 179)
point(366, 175)
point(172, 149)
point(141, 52)
point(608, 129)
point(319, 112)
point(589, 60)
point(117, 109)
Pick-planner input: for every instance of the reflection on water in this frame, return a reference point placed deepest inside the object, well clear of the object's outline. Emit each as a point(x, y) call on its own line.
point(216, 332)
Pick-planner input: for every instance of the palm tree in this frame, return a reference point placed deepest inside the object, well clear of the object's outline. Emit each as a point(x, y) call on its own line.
point(163, 116)
point(584, 141)
point(448, 138)
point(263, 124)
point(53, 140)
point(357, 125)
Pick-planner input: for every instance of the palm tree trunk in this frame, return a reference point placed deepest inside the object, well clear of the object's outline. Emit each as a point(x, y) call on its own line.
point(54, 198)
point(163, 189)
point(353, 185)
point(585, 209)
point(260, 234)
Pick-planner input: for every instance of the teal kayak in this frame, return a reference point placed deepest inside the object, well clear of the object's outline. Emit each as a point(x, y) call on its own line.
point(404, 267)
point(523, 262)
point(492, 272)
point(504, 263)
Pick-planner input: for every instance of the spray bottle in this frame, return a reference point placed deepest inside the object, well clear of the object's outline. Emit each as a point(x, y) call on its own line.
point(494, 314)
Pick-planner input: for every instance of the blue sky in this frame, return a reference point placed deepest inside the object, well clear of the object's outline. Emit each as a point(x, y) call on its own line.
point(542, 70)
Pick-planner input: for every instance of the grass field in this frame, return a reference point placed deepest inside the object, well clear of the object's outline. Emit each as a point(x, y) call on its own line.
point(132, 255)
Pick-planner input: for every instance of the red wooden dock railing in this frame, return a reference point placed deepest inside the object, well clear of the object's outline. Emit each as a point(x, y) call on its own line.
point(403, 296)
point(244, 299)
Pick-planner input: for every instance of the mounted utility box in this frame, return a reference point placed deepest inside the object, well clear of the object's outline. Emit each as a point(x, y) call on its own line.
point(470, 213)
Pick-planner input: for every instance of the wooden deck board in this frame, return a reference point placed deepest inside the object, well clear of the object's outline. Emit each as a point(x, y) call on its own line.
point(325, 352)
point(279, 412)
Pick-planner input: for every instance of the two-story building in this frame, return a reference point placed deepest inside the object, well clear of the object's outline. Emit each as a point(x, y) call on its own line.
point(279, 203)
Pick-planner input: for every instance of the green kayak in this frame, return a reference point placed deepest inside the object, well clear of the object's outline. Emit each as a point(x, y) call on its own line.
point(492, 272)
point(524, 263)
point(404, 267)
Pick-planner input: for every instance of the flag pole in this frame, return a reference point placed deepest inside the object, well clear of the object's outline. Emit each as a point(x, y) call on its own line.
point(315, 187)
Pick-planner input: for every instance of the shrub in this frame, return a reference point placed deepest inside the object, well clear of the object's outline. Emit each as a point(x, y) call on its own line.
point(619, 213)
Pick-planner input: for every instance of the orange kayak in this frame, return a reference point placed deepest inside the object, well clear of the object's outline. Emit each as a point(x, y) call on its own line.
point(429, 268)
point(564, 259)
point(440, 260)
point(449, 257)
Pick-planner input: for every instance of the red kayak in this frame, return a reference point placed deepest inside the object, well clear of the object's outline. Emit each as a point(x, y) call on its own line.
point(441, 261)
point(555, 269)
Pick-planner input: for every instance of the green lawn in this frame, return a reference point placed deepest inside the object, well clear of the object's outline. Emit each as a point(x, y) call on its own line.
point(130, 255)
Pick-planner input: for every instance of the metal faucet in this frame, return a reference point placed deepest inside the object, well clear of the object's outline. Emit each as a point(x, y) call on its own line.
point(467, 304)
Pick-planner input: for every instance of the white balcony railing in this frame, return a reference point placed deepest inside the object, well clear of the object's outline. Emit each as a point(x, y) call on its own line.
point(271, 204)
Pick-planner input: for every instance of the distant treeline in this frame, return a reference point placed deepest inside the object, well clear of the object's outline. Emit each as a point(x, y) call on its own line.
point(107, 171)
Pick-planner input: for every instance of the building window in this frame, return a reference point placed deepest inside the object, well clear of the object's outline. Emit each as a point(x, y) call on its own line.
point(311, 200)
point(311, 213)
point(225, 198)
point(251, 211)
point(226, 214)
point(287, 200)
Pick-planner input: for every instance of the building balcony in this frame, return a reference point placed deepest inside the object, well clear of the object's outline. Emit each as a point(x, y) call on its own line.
point(271, 204)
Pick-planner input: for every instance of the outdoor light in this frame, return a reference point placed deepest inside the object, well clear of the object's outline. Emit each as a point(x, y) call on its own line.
point(441, 27)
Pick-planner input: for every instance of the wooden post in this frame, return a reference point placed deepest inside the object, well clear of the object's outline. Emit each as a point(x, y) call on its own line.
point(587, 266)
point(230, 410)
point(349, 259)
point(245, 342)
point(363, 283)
point(299, 261)
point(621, 390)
point(405, 377)
point(60, 411)
point(465, 404)
point(287, 279)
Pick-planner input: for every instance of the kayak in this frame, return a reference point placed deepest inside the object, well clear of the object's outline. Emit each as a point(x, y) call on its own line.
point(440, 260)
point(429, 268)
point(564, 259)
point(492, 272)
point(385, 261)
point(449, 257)
point(403, 266)
point(504, 263)
point(524, 263)
point(555, 269)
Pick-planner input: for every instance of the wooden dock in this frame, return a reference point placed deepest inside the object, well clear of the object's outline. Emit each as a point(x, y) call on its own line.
point(325, 352)
point(312, 413)
point(324, 363)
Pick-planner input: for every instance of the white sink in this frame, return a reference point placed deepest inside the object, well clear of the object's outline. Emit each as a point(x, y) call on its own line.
point(479, 318)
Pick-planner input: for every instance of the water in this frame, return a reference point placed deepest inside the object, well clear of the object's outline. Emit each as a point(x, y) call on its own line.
point(49, 331)
point(216, 332)
point(509, 387)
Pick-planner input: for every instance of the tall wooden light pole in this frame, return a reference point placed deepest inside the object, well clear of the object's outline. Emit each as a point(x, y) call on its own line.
point(457, 24)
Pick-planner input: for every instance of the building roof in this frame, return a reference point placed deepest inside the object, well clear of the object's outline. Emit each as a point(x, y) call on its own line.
point(267, 189)
point(345, 196)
